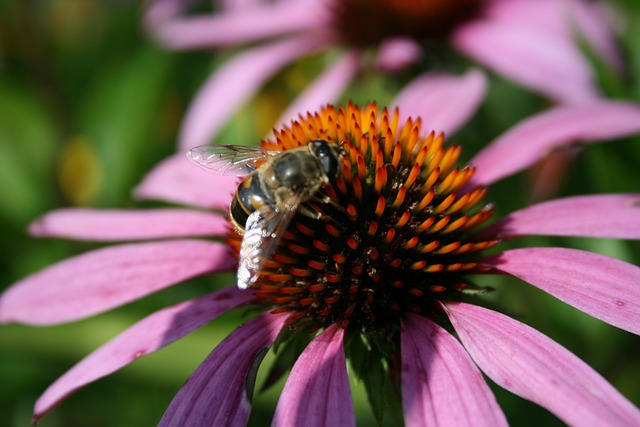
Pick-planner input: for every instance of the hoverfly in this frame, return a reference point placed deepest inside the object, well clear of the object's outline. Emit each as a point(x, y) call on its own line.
point(276, 184)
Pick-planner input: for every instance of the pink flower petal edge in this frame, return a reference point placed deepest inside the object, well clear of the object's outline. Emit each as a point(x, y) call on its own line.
point(604, 287)
point(178, 180)
point(317, 391)
point(612, 215)
point(440, 384)
point(443, 102)
point(148, 335)
point(219, 392)
point(100, 280)
point(232, 28)
point(326, 88)
point(532, 139)
point(534, 57)
point(531, 365)
point(237, 80)
point(396, 54)
point(118, 225)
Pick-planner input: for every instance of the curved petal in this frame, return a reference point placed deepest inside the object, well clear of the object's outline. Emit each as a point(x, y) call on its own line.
point(565, 19)
point(529, 364)
point(397, 53)
point(219, 392)
point(148, 335)
point(532, 139)
point(109, 277)
point(604, 287)
point(542, 61)
point(178, 180)
point(325, 89)
point(440, 384)
point(317, 391)
point(118, 225)
point(612, 215)
point(244, 26)
point(235, 82)
point(444, 102)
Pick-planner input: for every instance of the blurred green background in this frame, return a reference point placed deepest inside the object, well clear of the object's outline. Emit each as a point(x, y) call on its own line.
point(88, 104)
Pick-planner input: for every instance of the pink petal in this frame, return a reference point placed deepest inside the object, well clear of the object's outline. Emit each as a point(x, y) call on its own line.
point(325, 89)
point(614, 216)
point(109, 277)
point(605, 288)
point(115, 225)
point(178, 180)
point(148, 335)
point(243, 26)
point(533, 138)
point(537, 59)
point(444, 102)
point(574, 19)
point(398, 53)
point(317, 391)
point(235, 82)
point(531, 365)
point(440, 384)
point(219, 392)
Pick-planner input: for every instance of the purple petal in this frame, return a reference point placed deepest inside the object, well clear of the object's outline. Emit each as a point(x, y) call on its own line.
point(398, 53)
point(531, 365)
point(444, 102)
point(535, 58)
point(317, 391)
point(242, 26)
point(614, 216)
point(605, 288)
point(533, 138)
point(595, 28)
point(440, 384)
point(235, 82)
point(325, 89)
point(109, 277)
point(148, 335)
point(178, 180)
point(219, 392)
point(118, 225)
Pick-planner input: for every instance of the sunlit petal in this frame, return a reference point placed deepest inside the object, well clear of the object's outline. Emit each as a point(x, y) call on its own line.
point(234, 83)
point(444, 102)
point(178, 180)
point(148, 335)
point(604, 287)
point(532, 139)
point(317, 391)
point(529, 364)
point(119, 225)
point(219, 392)
point(611, 215)
point(109, 277)
point(440, 384)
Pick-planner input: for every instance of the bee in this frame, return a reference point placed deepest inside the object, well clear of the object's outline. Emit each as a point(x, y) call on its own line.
point(276, 185)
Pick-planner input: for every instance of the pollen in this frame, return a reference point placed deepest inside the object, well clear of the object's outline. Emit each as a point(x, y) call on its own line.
point(394, 234)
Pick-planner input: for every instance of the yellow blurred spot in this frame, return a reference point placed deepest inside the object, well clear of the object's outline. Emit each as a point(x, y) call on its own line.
point(80, 172)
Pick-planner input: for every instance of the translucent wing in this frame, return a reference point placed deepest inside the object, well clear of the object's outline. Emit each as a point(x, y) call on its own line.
point(229, 159)
point(263, 231)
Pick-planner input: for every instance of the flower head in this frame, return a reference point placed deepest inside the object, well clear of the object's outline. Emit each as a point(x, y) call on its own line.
point(533, 42)
point(381, 271)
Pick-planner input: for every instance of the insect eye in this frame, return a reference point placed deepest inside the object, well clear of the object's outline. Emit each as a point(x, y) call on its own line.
point(327, 158)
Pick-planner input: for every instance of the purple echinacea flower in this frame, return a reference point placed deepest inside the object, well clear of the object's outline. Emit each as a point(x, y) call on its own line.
point(386, 269)
point(532, 42)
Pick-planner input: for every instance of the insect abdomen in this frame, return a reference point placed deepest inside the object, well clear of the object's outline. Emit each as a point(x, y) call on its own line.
point(250, 196)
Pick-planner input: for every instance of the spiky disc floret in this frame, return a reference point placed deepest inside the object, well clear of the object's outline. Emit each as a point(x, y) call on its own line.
point(397, 235)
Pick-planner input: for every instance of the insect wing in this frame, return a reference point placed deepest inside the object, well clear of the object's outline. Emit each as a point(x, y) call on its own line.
point(225, 159)
point(263, 231)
